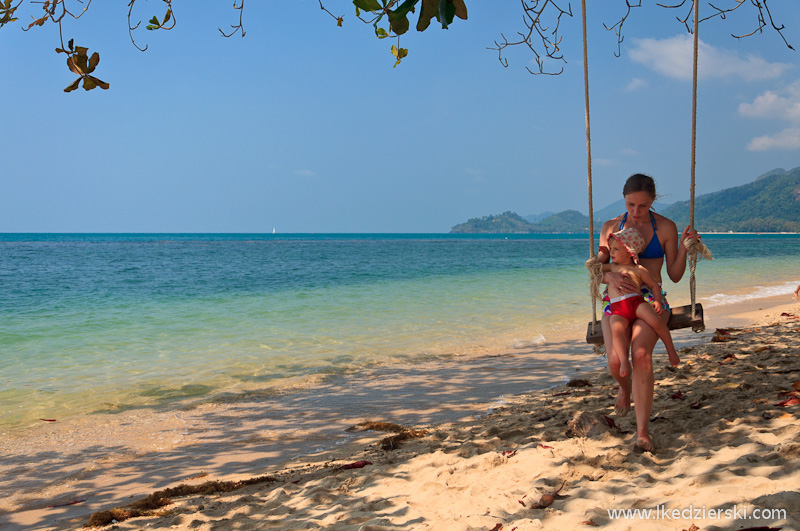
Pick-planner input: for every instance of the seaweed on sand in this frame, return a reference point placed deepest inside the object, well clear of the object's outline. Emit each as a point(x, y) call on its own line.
point(151, 505)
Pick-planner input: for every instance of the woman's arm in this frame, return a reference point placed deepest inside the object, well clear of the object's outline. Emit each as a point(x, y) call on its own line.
point(674, 250)
point(602, 252)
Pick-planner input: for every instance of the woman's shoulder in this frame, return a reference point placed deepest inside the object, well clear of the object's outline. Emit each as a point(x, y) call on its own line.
point(609, 227)
point(662, 221)
point(613, 222)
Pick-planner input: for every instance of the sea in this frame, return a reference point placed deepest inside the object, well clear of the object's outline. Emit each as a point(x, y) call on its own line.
point(98, 323)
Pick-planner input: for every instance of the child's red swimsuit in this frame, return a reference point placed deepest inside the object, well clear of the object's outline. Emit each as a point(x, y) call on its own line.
point(626, 305)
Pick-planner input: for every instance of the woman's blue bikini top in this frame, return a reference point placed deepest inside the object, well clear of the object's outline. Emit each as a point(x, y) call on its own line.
point(653, 249)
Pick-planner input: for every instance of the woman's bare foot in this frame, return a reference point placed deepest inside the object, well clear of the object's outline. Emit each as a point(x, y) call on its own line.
point(645, 443)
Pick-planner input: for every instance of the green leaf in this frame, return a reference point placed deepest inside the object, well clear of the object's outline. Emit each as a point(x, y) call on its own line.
point(399, 54)
point(442, 11)
point(406, 7)
point(449, 12)
point(381, 33)
point(367, 5)
point(398, 22)
point(73, 85)
point(429, 9)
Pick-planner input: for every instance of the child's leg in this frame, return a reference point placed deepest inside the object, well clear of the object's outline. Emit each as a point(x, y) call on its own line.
point(646, 312)
point(622, 342)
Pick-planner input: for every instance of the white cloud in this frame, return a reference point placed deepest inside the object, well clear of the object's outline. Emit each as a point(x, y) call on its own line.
point(635, 84)
point(775, 104)
point(781, 104)
point(672, 57)
point(628, 152)
point(597, 161)
point(304, 173)
point(788, 139)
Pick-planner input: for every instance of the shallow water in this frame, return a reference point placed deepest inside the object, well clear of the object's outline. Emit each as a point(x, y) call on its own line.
point(100, 323)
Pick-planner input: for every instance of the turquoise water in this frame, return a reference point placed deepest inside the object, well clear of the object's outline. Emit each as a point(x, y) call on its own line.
point(106, 322)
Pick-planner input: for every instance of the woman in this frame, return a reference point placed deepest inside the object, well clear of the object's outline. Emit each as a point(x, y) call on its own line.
point(663, 247)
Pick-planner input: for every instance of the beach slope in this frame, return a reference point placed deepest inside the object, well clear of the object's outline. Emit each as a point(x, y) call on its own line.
point(728, 457)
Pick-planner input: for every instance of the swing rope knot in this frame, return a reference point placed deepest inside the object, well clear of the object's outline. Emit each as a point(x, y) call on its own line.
point(695, 250)
point(595, 268)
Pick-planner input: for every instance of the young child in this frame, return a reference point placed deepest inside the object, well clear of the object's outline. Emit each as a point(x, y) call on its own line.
point(624, 248)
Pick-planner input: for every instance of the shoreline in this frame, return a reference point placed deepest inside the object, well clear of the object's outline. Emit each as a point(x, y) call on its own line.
point(232, 444)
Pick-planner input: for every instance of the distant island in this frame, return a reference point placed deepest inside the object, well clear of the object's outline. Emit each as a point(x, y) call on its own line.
point(771, 203)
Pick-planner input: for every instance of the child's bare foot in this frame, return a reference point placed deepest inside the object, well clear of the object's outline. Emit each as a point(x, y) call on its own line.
point(674, 360)
point(624, 367)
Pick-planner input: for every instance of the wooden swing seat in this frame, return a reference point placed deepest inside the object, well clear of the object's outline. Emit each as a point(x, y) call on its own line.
point(681, 317)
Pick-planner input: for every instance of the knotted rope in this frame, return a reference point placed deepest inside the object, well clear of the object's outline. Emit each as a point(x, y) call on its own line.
point(594, 266)
point(694, 247)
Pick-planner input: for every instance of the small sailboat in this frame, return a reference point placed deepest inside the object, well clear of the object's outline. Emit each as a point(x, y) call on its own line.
point(273, 230)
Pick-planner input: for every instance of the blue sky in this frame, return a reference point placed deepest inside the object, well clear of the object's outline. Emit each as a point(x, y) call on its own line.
point(304, 126)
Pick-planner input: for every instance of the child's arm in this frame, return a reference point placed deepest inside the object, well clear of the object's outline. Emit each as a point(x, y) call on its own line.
point(603, 255)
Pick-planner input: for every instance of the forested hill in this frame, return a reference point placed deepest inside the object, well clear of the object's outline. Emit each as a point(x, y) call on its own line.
point(771, 203)
point(511, 222)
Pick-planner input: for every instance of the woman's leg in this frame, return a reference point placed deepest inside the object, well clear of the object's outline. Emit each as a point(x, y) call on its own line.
point(643, 340)
point(623, 404)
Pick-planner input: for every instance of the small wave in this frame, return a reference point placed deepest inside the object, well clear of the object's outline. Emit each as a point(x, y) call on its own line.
point(528, 343)
point(499, 402)
point(760, 292)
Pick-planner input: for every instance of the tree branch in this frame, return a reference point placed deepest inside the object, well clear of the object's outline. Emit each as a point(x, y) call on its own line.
point(539, 39)
point(237, 27)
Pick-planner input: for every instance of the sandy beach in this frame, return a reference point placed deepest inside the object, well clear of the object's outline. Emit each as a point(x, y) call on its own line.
point(725, 425)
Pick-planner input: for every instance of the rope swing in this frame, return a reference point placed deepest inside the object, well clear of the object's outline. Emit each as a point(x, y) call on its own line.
point(681, 316)
point(694, 248)
point(592, 264)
